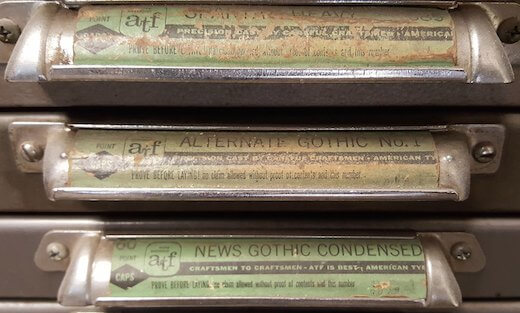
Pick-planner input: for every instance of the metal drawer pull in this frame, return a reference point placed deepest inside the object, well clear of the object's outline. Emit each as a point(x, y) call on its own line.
point(132, 162)
point(404, 271)
point(264, 43)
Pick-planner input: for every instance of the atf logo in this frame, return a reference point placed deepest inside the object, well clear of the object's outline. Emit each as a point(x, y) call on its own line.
point(136, 22)
point(144, 147)
point(162, 258)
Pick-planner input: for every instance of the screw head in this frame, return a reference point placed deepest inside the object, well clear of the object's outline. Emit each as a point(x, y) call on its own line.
point(31, 152)
point(484, 152)
point(9, 31)
point(461, 251)
point(57, 251)
point(509, 30)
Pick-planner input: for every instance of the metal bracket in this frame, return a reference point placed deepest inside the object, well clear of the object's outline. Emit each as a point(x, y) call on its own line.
point(28, 142)
point(498, 13)
point(19, 12)
point(451, 242)
point(69, 241)
point(72, 251)
point(479, 135)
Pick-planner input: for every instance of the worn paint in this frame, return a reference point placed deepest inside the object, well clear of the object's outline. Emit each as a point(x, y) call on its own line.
point(269, 268)
point(265, 36)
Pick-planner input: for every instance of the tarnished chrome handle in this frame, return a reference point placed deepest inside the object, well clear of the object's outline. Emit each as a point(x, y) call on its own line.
point(263, 43)
point(139, 162)
point(403, 271)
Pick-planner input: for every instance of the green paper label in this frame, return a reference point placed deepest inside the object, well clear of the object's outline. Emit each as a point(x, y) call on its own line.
point(347, 160)
point(310, 268)
point(264, 36)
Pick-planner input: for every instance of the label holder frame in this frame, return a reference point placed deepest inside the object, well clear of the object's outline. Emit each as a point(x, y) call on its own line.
point(28, 64)
point(80, 286)
point(54, 136)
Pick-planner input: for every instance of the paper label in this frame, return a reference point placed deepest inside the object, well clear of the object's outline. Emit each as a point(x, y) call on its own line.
point(264, 36)
point(294, 160)
point(309, 268)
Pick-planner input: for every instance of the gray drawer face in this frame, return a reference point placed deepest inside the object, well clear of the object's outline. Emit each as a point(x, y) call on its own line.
point(20, 237)
point(67, 94)
point(493, 192)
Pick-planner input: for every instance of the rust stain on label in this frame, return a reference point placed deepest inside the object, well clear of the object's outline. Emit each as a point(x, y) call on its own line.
point(266, 268)
point(345, 160)
point(266, 36)
point(382, 285)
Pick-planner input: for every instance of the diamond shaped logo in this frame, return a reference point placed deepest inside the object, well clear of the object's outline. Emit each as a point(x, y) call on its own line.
point(102, 164)
point(97, 38)
point(127, 276)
